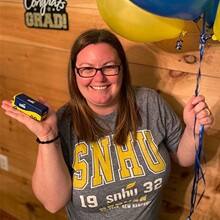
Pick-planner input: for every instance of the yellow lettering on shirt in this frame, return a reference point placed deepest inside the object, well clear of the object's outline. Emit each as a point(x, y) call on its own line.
point(80, 166)
point(128, 161)
point(102, 162)
point(149, 149)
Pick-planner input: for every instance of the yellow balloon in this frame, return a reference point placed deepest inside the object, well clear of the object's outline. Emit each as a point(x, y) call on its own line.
point(216, 26)
point(136, 24)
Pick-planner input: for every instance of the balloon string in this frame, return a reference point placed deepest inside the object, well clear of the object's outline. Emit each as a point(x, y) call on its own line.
point(198, 175)
point(198, 171)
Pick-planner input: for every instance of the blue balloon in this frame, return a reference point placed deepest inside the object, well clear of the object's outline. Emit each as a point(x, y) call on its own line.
point(183, 9)
point(211, 12)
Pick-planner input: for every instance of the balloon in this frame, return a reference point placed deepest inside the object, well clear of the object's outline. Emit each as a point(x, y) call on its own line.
point(211, 12)
point(136, 24)
point(216, 26)
point(184, 9)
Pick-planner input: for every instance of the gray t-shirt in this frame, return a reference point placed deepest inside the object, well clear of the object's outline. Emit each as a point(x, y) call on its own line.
point(121, 182)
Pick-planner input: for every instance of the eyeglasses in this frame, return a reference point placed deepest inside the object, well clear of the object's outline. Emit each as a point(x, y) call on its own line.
point(88, 72)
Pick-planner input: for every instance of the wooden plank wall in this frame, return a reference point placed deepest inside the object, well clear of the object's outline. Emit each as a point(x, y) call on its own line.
point(35, 61)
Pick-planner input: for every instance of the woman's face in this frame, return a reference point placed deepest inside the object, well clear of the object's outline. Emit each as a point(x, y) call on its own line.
point(100, 91)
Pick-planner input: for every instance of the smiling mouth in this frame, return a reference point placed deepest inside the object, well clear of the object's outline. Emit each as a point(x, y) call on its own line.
point(99, 87)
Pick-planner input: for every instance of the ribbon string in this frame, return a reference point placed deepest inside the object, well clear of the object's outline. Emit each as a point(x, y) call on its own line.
point(198, 171)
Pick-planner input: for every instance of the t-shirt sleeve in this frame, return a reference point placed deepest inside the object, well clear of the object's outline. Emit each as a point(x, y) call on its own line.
point(172, 125)
point(158, 117)
point(65, 131)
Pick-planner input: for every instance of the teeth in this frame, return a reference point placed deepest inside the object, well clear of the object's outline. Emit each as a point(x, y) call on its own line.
point(99, 87)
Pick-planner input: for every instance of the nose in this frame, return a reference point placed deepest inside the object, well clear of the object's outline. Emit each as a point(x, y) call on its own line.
point(99, 76)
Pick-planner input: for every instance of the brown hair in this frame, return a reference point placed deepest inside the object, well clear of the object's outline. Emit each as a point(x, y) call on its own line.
point(84, 123)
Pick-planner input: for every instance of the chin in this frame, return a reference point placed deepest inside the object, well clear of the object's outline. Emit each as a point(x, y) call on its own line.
point(102, 103)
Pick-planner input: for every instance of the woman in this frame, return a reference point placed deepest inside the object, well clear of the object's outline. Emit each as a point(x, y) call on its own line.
point(107, 152)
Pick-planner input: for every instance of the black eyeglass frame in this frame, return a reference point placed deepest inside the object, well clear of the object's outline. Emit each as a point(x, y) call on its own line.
point(97, 69)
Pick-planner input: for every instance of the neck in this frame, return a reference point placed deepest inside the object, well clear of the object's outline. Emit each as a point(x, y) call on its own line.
point(104, 110)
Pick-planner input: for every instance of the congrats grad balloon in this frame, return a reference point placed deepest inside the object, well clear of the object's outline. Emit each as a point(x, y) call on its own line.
point(136, 24)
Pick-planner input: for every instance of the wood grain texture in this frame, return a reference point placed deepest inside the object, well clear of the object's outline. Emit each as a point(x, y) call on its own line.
point(35, 61)
point(19, 200)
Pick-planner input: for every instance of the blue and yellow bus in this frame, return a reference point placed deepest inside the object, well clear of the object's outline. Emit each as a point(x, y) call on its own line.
point(30, 107)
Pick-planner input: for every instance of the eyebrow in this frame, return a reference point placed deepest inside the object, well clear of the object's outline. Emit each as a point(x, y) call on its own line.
point(91, 65)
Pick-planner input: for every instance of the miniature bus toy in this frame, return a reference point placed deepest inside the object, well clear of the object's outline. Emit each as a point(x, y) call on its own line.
point(30, 107)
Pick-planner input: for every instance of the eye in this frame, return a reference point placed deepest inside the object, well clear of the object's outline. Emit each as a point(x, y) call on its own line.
point(86, 70)
point(113, 66)
point(111, 69)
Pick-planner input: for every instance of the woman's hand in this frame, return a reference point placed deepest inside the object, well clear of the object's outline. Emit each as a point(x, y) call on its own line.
point(197, 107)
point(46, 129)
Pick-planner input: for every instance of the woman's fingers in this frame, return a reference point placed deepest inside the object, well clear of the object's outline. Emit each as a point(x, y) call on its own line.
point(205, 117)
point(197, 107)
point(9, 110)
point(17, 115)
point(197, 99)
point(40, 129)
point(200, 107)
point(43, 101)
point(6, 104)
